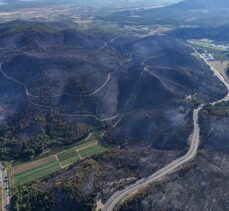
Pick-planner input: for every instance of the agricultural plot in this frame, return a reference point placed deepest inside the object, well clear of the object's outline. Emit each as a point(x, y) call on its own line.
point(208, 44)
point(33, 164)
point(92, 151)
point(37, 172)
point(30, 171)
point(219, 56)
point(86, 144)
point(89, 148)
point(219, 51)
point(68, 157)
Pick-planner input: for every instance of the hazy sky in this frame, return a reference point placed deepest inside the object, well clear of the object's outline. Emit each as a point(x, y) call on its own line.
point(134, 2)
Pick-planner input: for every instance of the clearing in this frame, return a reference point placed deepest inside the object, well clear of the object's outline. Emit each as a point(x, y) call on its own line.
point(68, 157)
point(26, 166)
point(219, 51)
point(209, 44)
point(92, 151)
point(30, 171)
point(37, 172)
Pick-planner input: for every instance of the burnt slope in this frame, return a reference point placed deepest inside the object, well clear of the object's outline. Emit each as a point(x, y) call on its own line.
point(155, 103)
point(81, 82)
point(202, 185)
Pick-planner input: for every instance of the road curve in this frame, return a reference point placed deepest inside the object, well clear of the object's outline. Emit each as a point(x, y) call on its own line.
point(121, 195)
point(131, 189)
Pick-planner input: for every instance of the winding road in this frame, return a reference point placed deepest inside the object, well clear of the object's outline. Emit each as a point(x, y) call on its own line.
point(29, 95)
point(121, 195)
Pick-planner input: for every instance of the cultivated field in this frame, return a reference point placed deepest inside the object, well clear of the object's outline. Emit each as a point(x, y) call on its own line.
point(68, 157)
point(30, 171)
point(37, 172)
point(26, 166)
point(219, 51)
point(208, 44)
point(92, 151)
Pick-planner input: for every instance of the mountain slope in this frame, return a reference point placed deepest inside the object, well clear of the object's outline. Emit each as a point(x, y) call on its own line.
point(140, 91)
point(79, 82)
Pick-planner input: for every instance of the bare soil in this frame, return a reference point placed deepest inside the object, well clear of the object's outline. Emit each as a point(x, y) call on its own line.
point(221, 67)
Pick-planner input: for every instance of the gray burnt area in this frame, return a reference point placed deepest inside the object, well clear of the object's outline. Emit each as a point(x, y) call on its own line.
point(74, 79)
point(202, 185)
point(62, 84)
point(114, 105)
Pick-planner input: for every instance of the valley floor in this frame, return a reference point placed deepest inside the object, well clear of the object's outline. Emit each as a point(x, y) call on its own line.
point(31, 171)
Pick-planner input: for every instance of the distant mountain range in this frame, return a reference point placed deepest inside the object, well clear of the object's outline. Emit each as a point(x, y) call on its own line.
point(95, 3)
point(201, 4)
point(184, 13)
point(187, 4)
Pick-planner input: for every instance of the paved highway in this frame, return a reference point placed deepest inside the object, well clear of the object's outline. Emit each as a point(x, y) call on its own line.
point(217, 74)
point(121, 195)
point(169, 168)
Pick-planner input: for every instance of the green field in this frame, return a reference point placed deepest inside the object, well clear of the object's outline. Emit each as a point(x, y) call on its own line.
point(95, 137)
point(208, 45)
point(92, 151)
point(219, 52)
point(68, 157)
point(36, 173)
point(80, 150)
point(220, 56)
point(85, 144)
